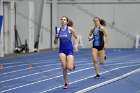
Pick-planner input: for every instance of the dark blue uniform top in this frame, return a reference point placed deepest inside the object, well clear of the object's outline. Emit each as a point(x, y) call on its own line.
point(98, 37)
point(65, 39)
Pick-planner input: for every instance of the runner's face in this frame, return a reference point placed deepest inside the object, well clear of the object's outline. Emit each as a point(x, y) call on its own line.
point(64, 21)
point(96, 22)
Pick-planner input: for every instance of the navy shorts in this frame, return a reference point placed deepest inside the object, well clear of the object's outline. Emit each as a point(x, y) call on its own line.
point(67, 51)
point(99, 48)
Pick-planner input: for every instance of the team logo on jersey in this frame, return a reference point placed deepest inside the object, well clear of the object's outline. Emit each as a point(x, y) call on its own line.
point(63, 36)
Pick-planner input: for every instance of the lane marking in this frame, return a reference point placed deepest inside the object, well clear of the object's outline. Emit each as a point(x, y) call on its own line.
point(37, 67)
point(108, 81)
point(47, 90)
point(52, 64)
point(52, 70)
point(41, 81)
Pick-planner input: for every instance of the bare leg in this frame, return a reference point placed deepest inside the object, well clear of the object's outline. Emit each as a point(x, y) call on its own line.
point(95, 56)
point(64, 66)
point(70, 64)
point(101, 55)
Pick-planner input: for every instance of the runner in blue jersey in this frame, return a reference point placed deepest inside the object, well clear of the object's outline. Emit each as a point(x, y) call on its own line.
point(66, 50)
point(100, 40)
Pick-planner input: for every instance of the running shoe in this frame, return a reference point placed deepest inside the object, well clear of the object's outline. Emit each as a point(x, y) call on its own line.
point(104, 57)
point(97, 76)
point(65, 86)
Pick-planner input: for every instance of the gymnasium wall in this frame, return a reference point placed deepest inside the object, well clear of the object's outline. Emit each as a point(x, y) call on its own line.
point(122, 17)
point(123, 20)
point(22, 17)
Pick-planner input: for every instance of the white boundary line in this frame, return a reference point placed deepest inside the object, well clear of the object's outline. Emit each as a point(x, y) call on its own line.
point(108, 81)
point(36, 73)
point(37, 67)
point(34, 61)
point(27, 63)
point(24, 61)
point(47, 90)
point(53, 70)
point(110, 61)
point(41, 81)
point(58, 77)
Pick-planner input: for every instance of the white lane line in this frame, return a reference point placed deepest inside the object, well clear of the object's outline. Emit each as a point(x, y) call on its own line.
point(36, 67)
point(122, 57)
point(28, 75)
point(33, 63)
point(108, 81)
point(53, 70)
point(45, 61)
point(37, 73)
point(24, 61)
point(47, 90)
point(52, 64)
point(42, 80)
point(27, 69)
point(35, 59)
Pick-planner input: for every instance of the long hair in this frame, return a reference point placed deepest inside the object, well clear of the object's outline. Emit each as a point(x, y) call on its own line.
point(102, 21)
point(70, 22)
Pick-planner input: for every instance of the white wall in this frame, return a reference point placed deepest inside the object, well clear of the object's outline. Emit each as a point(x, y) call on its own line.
point(125, 16)
point(23, 20)
point(38, 17)
point(7, 32)
point(45, 30)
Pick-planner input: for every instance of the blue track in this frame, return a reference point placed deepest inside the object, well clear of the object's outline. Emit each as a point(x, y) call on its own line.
point(46, 74)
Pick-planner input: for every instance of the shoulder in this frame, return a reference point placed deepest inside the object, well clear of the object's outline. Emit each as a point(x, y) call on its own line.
point(102, 28)
point(71, 29)
point(92, 28)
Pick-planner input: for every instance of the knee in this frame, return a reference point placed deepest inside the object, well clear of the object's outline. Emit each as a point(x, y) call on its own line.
point(70, 68)
point(95, 61)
